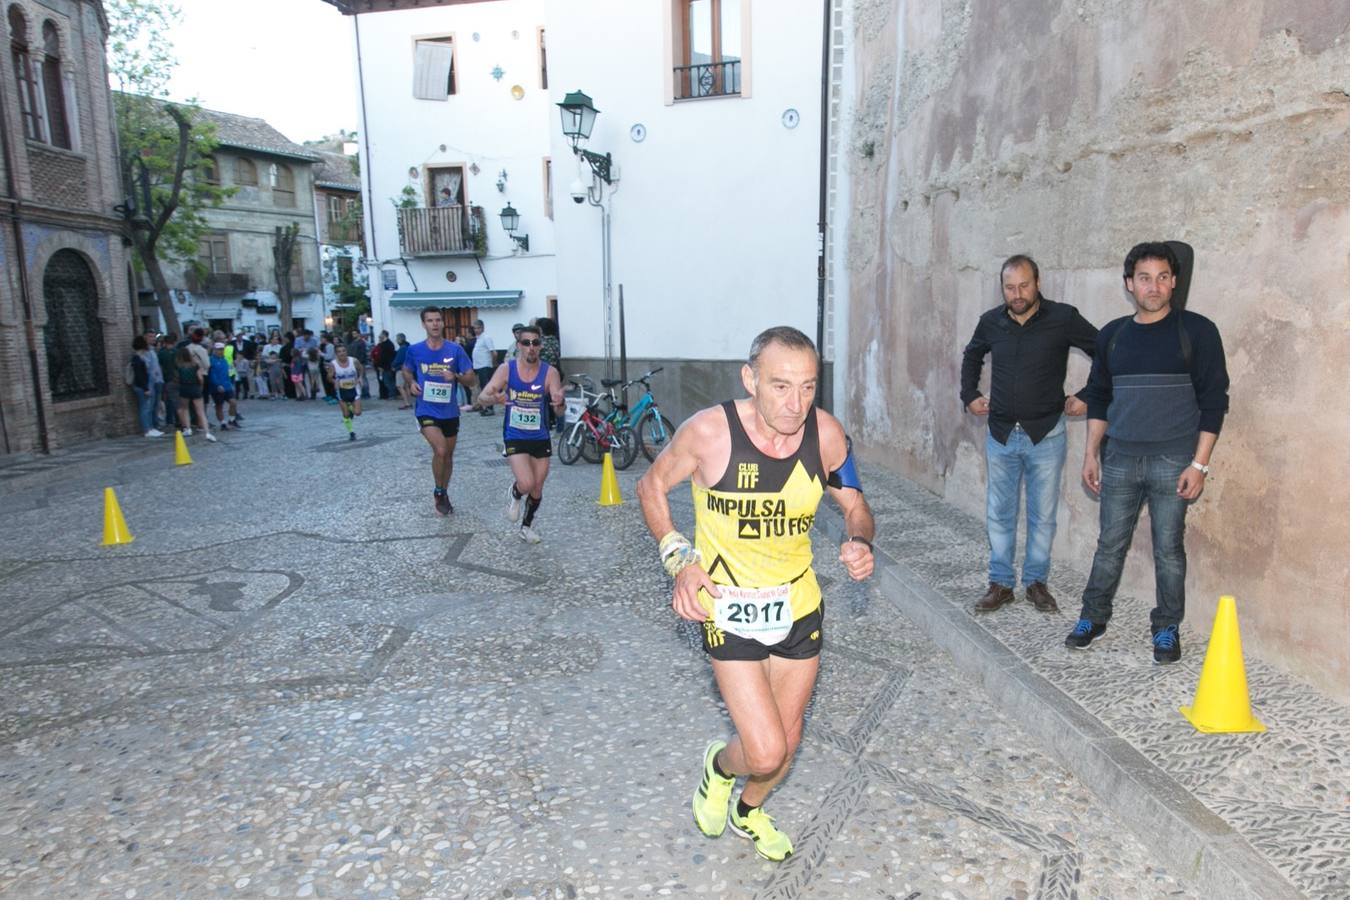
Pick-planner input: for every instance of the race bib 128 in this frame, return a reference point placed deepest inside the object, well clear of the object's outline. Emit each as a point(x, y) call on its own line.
point(436, 392)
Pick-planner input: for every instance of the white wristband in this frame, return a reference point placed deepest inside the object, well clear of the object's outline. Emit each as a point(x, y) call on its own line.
point(1201, 467)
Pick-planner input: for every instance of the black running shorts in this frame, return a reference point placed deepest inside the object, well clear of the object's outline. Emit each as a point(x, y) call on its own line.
point(537, 449)
point(802, 642)
point(448, 427)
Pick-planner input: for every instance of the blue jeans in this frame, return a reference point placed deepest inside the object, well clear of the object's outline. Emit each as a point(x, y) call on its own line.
point(1127, 483)
point(1040, 466)
point(145, 407)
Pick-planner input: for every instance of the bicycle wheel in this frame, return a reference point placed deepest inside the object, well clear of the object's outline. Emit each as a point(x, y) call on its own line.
point(569, 445)
point(590, 448)
point(625, 447)
point(654, 432)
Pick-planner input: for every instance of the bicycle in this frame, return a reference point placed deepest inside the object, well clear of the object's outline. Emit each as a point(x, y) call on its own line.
point(592, 435)
point(653, 429)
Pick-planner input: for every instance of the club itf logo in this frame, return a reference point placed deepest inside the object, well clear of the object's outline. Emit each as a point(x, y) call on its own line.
point(747, 476)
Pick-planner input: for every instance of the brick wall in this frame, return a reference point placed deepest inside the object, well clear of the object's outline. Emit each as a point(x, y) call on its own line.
point(58, 178)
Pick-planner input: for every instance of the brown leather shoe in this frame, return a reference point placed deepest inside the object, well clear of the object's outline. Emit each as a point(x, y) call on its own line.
point(995, 597)
point(1039, 595)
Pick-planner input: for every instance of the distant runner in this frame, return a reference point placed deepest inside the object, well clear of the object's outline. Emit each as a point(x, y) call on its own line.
point(433, 369)
point(345, 373)
point(529, 387)
point(759, 468)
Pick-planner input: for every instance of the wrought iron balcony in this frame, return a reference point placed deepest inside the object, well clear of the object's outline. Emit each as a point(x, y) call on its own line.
point(442, 231)
point(225, 283)
point(712, 79)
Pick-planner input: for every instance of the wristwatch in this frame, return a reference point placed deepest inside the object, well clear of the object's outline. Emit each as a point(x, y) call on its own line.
point(859, 539)
point(1202, 468)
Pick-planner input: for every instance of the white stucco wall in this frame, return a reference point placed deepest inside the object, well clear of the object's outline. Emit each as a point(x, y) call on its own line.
point(714, 221)
point(480, 124)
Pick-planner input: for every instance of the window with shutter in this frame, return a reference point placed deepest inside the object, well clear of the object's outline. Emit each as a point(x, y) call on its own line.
point(434, 68)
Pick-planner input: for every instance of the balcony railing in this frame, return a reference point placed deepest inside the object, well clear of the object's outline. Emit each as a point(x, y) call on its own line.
point(442, 231)
point(344, 232)
point(225, 283)
point(713, 79)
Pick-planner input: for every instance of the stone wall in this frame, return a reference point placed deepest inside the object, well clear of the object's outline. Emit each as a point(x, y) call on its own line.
point(1071, 131)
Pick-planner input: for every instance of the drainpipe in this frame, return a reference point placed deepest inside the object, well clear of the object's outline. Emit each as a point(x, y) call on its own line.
point(25, 289)
point(367, 166)
point(826, 390)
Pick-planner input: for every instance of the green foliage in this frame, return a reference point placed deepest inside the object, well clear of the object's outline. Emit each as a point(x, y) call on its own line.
point(141, 62)
point(407, 198)
point(359, 298)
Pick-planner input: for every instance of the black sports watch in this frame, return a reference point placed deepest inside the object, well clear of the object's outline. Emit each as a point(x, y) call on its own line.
point(859, 539)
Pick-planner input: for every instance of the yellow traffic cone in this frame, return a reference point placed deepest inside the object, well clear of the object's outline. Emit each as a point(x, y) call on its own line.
point(181, 457)
point(114, 526)
point(609, 483)
point(1221, 702)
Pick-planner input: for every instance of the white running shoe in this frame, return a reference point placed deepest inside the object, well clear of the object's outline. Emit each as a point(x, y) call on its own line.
point(210, 437)
point(529, 535)
point(513, 503)
point(187, 432)
point(154, 433)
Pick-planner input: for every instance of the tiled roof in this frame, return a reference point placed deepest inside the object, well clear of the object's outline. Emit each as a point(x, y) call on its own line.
point(335, 171)
point(247, 133)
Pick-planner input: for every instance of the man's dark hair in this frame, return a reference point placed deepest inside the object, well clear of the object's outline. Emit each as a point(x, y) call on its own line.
point(547, 326)
point(1020, 259)
point(780, 334)
point(531, 329)
point(428, 309)
point(1151, 250)
point(138, 343)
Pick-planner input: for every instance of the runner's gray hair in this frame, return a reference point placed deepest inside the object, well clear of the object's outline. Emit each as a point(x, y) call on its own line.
point(780, 334)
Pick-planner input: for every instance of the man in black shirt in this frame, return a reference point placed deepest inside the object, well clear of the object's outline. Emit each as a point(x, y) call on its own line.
point(1159, 391)
point(1029, 338)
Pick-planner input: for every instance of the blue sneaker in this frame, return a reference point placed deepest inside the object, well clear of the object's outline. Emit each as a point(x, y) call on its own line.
point(1084, 633)
point(1166, 645)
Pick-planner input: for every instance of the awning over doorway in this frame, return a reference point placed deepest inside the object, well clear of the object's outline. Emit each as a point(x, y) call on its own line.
point(455, 299)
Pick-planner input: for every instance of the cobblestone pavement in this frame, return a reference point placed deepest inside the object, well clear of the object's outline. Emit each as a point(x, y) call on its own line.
point(298, 681)
point(1286, 791)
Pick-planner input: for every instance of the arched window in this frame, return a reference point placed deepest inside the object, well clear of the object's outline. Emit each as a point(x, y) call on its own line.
point(283, 185)
point(210, 170)
point(54, 86)
point(23, 75)
point(74, 335)
point(245, 172)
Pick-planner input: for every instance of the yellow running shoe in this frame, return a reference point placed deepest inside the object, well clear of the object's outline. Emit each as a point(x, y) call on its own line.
point(713, 795)
point(770, 843)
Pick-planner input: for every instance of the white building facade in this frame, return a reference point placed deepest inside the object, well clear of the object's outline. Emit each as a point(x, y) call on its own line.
point(710, 111)
point(455, 126)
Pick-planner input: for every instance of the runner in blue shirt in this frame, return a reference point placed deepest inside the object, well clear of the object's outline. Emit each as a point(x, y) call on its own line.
point(529, 387)
point(433, 368)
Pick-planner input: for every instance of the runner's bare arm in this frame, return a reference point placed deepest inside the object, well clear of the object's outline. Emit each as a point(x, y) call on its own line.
point(410, 374)
point(492, 393)
point(858, 522)
point(679, 461)
point(468, 378)
point(553, 383)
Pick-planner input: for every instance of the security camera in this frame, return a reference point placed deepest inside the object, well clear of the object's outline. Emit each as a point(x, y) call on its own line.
point(578, 191)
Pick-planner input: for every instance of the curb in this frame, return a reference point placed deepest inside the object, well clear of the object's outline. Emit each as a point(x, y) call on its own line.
point(1189, 839)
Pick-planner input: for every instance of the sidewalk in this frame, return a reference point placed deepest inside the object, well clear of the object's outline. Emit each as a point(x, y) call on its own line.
point(1251, 815)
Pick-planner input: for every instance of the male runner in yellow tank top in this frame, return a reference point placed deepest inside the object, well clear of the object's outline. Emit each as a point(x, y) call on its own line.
point(758, 467)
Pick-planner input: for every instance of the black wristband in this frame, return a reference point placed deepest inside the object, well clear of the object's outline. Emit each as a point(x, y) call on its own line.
point(859, 539)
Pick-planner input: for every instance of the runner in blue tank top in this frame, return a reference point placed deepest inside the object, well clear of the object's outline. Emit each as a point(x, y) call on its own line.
point(529, 387)
point(434, 369)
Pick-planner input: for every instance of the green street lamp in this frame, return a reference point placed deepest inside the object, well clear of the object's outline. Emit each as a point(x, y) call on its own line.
point(578, 118)
point(510, 222)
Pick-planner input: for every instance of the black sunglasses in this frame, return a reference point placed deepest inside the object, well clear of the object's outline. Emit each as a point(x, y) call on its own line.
point(534, 343)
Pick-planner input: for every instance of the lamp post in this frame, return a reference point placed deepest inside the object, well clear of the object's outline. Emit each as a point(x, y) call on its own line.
point(578, 119)
point(510, 222)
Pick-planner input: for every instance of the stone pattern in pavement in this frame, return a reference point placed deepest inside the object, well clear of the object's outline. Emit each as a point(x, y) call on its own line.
point(1286, 791)
point(299, 681)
